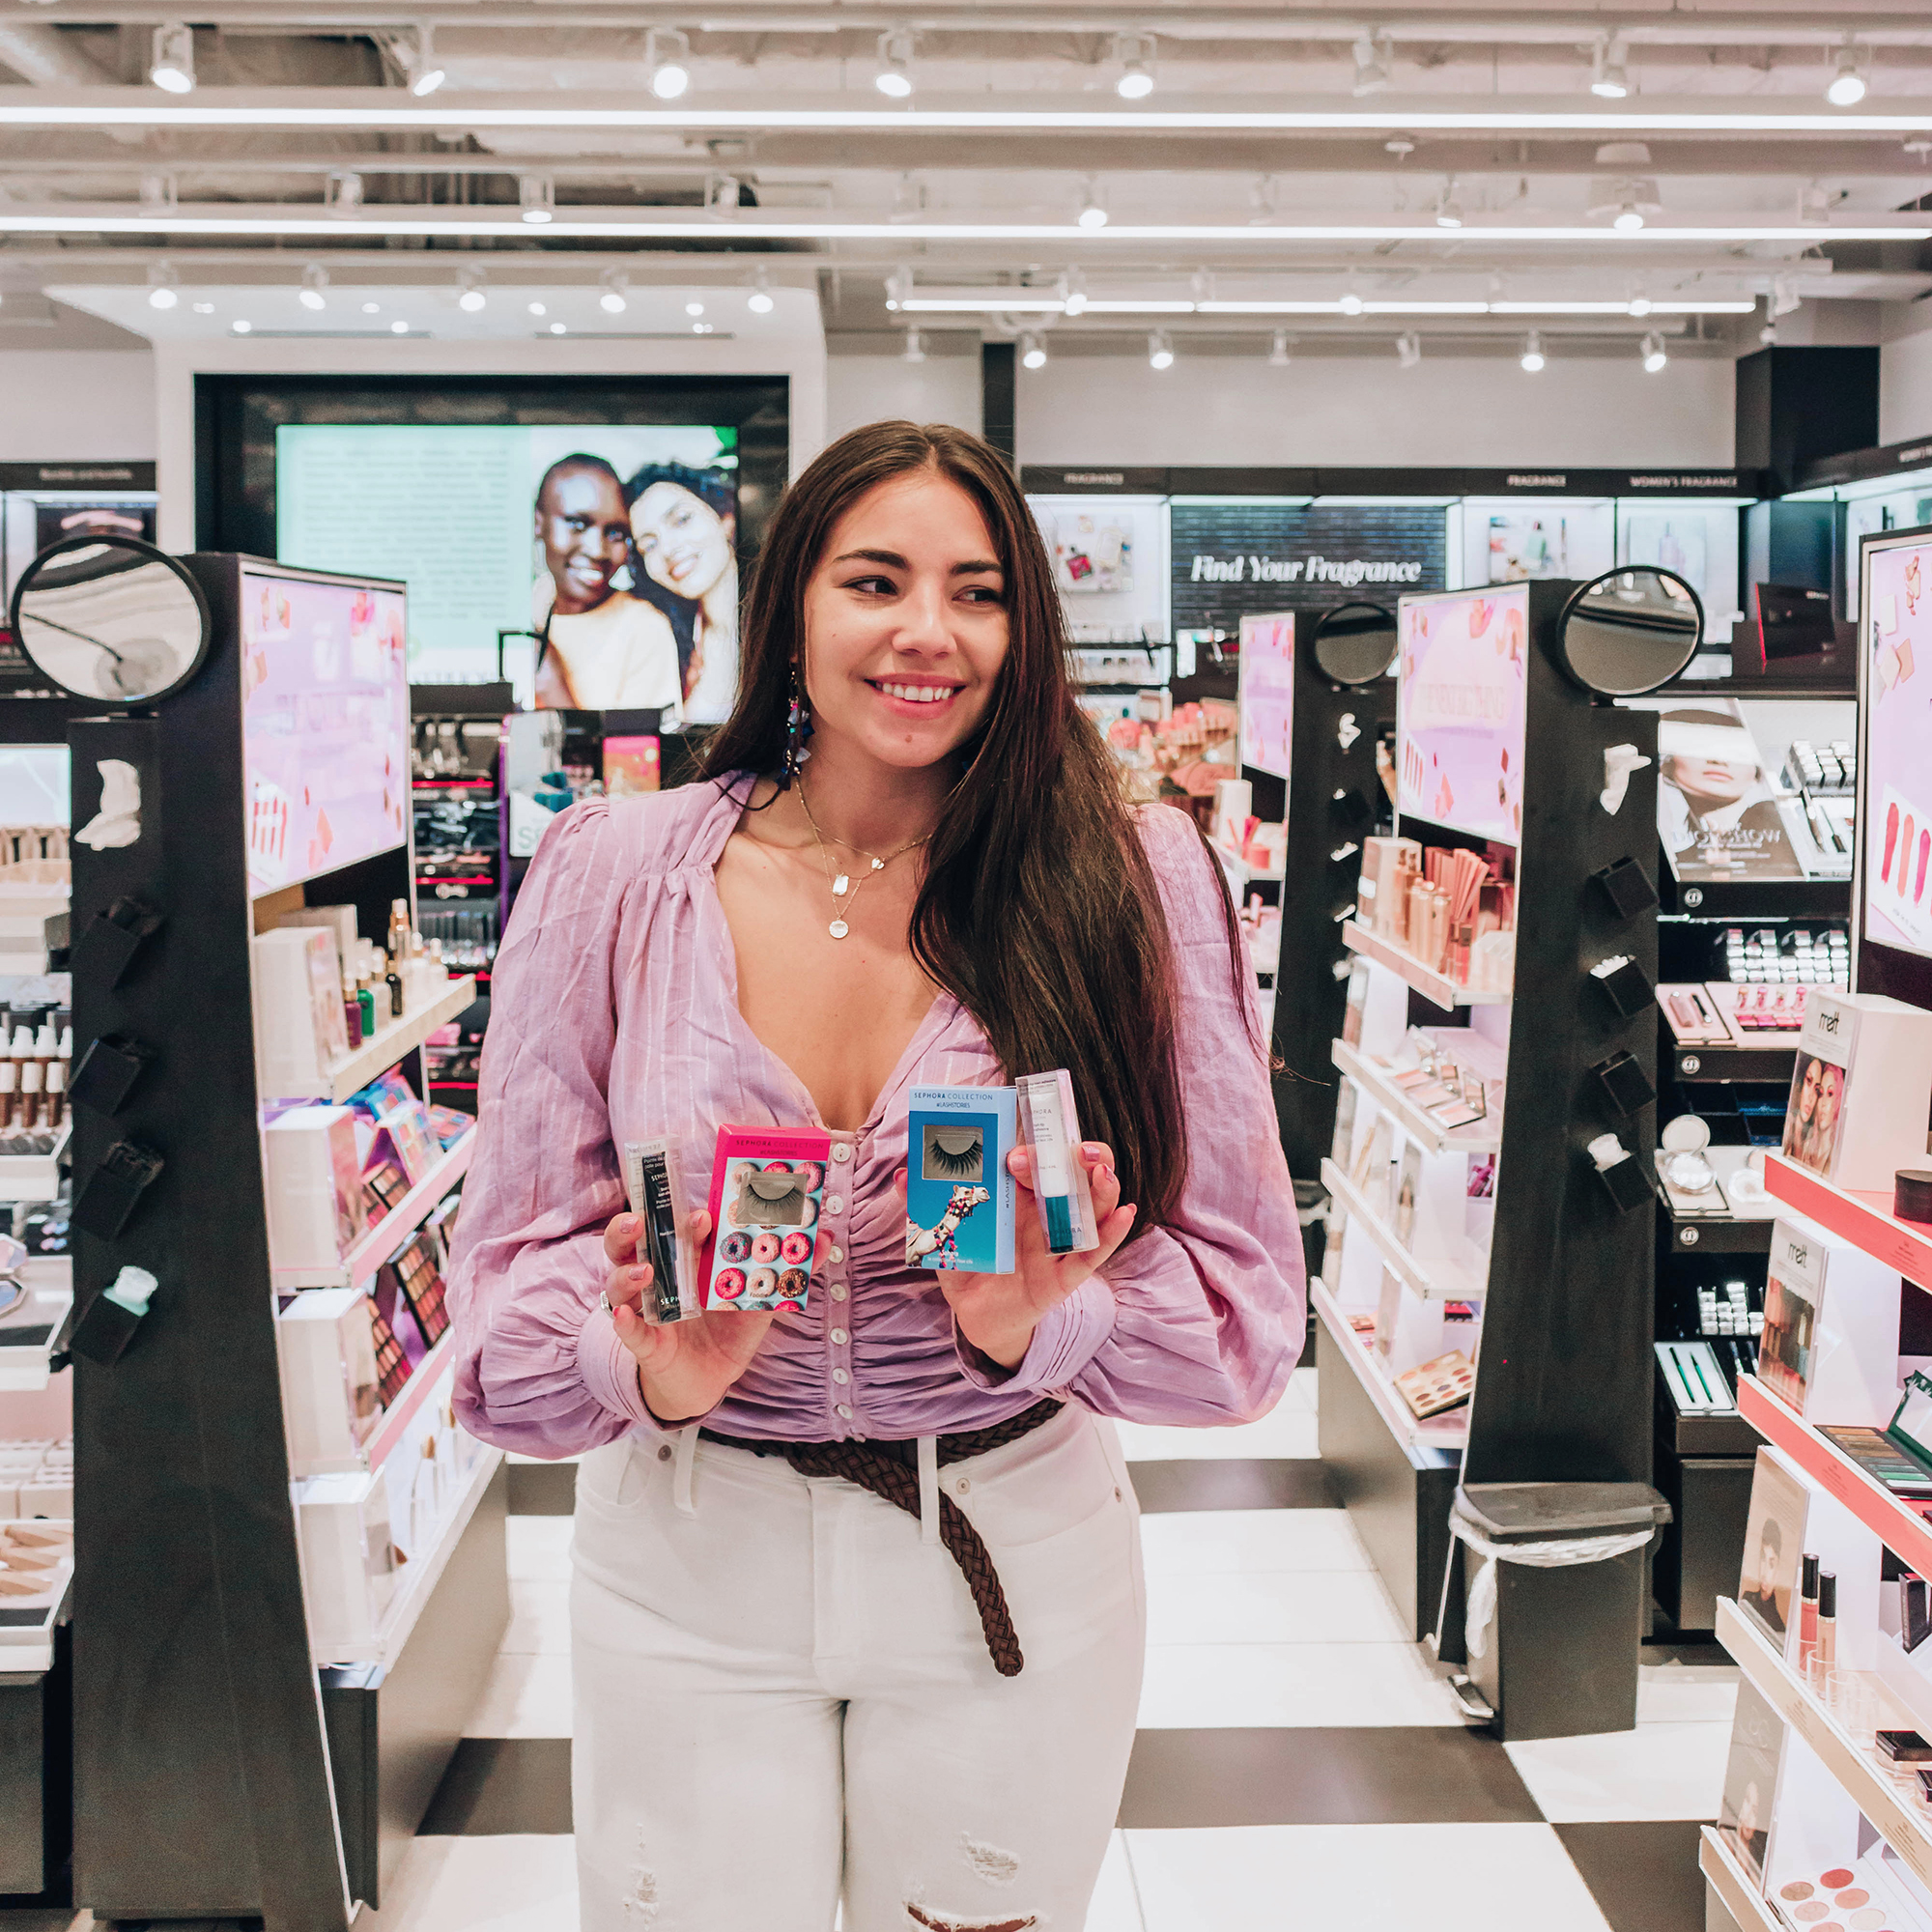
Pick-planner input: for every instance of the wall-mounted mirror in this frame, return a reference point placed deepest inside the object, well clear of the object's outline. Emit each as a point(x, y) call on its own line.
point(1629, 631)
point(1356, 643)
point(111, 618)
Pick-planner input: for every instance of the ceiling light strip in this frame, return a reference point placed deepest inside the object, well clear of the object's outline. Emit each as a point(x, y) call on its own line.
point(972, 305)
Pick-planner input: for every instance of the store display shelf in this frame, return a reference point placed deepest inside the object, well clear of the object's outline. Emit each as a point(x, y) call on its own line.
point(1857, 1772)
point(1437, 988)
point(1433, 1277)
point(29, 1652)
point(423, 1378)
point(1449, 1433)
point(1889, 1517)
point(1823, 897)
point(34, 1176)
point(1733, 1063)
point(1734, 1885)
point(379, 1242)
point(1716, 1234)
point(388, 1045)
point(1865, 1219)
point(26, 1363)
point(421, 1576)
point(1479, 1137)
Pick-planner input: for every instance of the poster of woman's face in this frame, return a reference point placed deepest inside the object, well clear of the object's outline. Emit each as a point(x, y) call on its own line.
point(1811, 1119)
point(636, 591)
point(1773, 1546)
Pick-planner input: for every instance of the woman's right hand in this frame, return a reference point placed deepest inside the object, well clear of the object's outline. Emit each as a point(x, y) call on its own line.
point(683, 1367)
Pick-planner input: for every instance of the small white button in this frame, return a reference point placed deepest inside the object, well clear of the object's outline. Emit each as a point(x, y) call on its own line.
point(963, 1486)
point(840, 1153)
point(838, 1291)
point(839, 1338)
point(838, 1254)
point(841, 1377)
point(845, 1412)
point(835, 1203)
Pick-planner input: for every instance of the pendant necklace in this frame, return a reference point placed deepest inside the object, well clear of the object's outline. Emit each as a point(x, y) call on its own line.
point(843, 890)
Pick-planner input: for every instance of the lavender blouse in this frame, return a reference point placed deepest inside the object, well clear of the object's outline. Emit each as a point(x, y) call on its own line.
point(615, 1017)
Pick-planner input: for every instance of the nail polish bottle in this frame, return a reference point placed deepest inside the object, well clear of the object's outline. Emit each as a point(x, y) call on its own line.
point(1807, 1611)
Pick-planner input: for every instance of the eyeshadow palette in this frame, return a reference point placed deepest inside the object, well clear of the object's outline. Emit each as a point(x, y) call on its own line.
point(767, 1185)
point(1445, 1384)
point(959, 1196)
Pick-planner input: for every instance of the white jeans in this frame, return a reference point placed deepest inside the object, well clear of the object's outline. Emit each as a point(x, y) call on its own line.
point(783, 1694)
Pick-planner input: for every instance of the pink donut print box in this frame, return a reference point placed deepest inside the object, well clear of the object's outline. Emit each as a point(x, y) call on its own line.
point(767, 1184)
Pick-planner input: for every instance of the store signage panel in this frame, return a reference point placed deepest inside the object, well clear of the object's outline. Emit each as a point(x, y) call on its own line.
point(1233, 559)
point(1462, 709)
point(1896, 682)
point(1268, 692)
point(1109, 556)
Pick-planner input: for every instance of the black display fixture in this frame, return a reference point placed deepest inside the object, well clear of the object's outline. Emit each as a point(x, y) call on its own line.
point(1796, 406)
point(204, 1787)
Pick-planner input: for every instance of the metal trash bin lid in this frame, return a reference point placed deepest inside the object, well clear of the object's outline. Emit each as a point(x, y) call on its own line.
point(1535, 1511)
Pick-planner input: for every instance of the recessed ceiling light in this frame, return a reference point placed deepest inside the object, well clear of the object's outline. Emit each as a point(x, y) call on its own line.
point(1350, 303)
point(243, 327)
point(399, 328)
point(202, 308)
point(693, 308)
point(701, 328)
point(537, 308)
point(556, 328)
point(371, 308)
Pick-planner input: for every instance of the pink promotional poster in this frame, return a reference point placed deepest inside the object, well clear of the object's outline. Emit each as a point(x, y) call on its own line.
point(325, 725)
point(1898, 800)
point(1462, 710)
point(1267, 693)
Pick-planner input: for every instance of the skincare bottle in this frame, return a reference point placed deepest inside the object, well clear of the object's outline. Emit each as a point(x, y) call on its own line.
point(393, 979)
point(1828, 1618)
point(10, 1093)
point(56, 1097)
point(1807, 1612)
point(399, 928)
point(32, 1081)
point(351, 1007)
point(46, 1048)
point(365, 999)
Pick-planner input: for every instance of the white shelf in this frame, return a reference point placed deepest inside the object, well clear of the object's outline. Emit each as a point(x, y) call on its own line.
point(378, 1243)
point(388, 1045)
point(1734, 1885)
point(1902, 1826)
point(1484, 1136)
point(1433, 1277)
point(423, 1573)
point(1436, 988)
point(1437, 1432)
point(48, 1280)
point(34, 1176)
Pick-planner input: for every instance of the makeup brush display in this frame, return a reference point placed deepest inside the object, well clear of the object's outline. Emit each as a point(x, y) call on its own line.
point(1451, 908)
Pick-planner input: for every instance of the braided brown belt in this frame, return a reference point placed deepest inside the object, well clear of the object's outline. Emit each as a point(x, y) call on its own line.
point(890, 1470)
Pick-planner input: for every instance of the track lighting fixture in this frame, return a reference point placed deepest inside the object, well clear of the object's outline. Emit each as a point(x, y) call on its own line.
point(759, 300)
point(1278, 355)
point(915, 346)
point(471, 299)
point(171, 66)
point(1448, 210)
point(1372, 66)
point(1408, 349)
point(163, 286)
point(1532, 359)
point(314, 280)
point(342, 192)
point(536, 198)
point(1073, 291)
point(1135, 54)
point(1160, 351)
point(615, 285)
point(1093, 210)
point(667, 62)
point(1848, 81)
point(893, 78)
point(1629, 217)
point(1640, 304)
point(1609, 77)
point(1033, 351)
point(1654, 357)
point(426, 73)
point(1351, 302)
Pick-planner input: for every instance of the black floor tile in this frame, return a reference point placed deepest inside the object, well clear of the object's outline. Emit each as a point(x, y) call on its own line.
point(1233, 1483)
point(1392, 1775)
point(543, 1489)
point(1643, 1876)
point(496, 1786)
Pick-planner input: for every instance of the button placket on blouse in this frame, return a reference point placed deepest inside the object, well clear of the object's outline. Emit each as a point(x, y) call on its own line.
point(838, 1337)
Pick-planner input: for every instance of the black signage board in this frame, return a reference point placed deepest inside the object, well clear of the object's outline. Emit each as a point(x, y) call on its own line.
point(1039, 480)
point(76, 476)
point(1857, 465)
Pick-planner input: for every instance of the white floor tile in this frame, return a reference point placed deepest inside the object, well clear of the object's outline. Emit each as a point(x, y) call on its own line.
point(539, 1617)
point(1287, 1429)
point(1681, 1694)
point(511, 1883)
point(1116, 1907)
point(1301, 1390)
point(539, 1546)
point(1657, 1770)
point(1361, 1878)
point(1218, 1542)
point(527, 1695)
point(1233, 1685)
point(1270, 1607)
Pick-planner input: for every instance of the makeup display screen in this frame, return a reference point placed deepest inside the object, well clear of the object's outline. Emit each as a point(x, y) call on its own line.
point(1461, 697)
point(325, 725)
point(1896, 677)
point(1267, 693)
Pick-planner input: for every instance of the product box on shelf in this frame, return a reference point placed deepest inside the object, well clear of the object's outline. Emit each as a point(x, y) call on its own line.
point(349, 1561)
point(315, 1187)
point(37, 1479)
point(1829, 1346)
point(331, 1400)
point(300, 1027)
point(1860, 1091)
point(1381, 891)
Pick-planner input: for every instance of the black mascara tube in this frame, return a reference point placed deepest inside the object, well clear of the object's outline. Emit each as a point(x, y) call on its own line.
point(648, 1183)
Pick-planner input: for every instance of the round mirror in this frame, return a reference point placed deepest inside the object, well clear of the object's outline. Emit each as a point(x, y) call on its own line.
point(1629, 631)
point(1354, 644)
point(111, 618)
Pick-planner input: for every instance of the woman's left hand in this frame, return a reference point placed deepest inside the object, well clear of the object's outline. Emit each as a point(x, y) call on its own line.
point(998, 1313)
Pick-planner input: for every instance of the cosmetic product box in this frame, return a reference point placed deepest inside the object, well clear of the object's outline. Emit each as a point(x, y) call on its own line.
point(1693, 1019)
point(325, 1341)
point(1866, 1058)
point(1903, 1747)
point(650, 1187)
point(337, 920)
point(960, 1199)
point(767, 1184)
point(316, 1205)
point(1050, 1126)
point(348, 1562)
point(299, 1029)
point(1381, 894)
point(1829, 1344)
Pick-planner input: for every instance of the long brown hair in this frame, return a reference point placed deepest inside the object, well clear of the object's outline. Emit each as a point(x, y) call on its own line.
point(1039, 912)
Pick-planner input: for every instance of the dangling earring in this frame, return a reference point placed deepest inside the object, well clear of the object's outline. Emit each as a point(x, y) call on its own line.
point(798, 732)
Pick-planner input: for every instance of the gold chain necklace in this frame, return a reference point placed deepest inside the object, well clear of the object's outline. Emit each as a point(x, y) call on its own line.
point(843, 890)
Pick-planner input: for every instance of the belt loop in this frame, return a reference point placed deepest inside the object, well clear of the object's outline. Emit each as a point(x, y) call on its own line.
point(928, 1489)
point(687, 1454)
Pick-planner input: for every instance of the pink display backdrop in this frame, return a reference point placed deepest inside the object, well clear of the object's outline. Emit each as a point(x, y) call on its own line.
point(1897, 690)
point(325, 725)
point(1267, 693)
point(1462, 696)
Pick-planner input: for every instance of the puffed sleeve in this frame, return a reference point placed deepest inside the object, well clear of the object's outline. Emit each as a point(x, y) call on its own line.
point(539, 1366)
point(1198, 1320)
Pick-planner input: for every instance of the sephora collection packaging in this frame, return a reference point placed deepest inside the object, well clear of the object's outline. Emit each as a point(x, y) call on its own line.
point(959, 1196)
point(1859, 1090)
point(766, 1187)
point(1050, 1125)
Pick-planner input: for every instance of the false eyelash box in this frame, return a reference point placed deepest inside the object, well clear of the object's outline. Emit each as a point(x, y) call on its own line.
point(767, 1184)
point(959, 1197)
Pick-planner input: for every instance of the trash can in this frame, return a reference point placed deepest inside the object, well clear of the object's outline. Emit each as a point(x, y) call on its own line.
point(1311, 1211)
point(1554, 1578)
